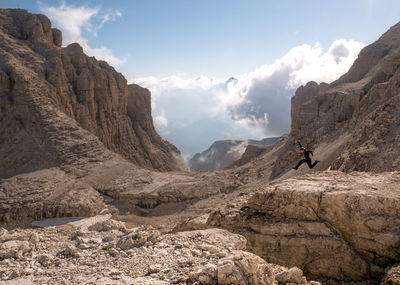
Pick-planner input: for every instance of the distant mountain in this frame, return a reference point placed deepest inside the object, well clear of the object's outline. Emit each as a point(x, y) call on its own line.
point(223, 153)
point(231, 80)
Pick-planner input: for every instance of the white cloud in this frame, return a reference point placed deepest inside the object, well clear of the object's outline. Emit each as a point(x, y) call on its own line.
point(103, 53)
point(236, 151)
point(74, 21)
point(161, 120)
point(263, 95)
point(250, 105)
point(181, 81)
point(328, 66)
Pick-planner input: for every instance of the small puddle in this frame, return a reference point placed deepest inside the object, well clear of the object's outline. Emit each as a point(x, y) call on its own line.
point(75, 221)
point(144, 210)
point(107, 198)
point(53, 222)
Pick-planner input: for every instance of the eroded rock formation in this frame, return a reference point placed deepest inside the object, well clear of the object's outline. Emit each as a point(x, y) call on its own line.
point(333, 226)
point(42, 83)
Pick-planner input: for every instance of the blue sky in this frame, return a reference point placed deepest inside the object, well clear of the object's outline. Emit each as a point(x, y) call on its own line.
point(220, 38)
point(185, 51)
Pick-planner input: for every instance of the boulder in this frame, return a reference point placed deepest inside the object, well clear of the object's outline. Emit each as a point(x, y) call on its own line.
point(329, 224)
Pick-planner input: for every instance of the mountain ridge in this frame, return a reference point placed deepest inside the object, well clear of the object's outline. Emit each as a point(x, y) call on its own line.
point(223, 153)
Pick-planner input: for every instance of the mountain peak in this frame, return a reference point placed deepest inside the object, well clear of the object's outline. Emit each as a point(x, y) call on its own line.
point(370, 58)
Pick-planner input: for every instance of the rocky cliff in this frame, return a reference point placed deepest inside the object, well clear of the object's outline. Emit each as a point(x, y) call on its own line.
point(334, 226)
point(36, 73)
point(364, 103)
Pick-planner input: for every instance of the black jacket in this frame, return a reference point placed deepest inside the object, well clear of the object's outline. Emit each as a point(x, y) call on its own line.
point(306, 152)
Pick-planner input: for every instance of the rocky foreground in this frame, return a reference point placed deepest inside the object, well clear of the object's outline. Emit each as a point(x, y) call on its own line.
point(100, 250)
point(333, 227)
point(336, 227)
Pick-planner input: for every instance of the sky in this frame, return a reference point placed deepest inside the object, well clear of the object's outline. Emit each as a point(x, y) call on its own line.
point(220, 69)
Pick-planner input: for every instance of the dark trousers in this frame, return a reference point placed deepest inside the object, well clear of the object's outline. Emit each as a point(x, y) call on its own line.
point(311, 165)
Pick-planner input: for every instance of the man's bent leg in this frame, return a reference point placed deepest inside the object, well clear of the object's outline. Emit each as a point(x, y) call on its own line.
point(300, 163)
point(314, 164)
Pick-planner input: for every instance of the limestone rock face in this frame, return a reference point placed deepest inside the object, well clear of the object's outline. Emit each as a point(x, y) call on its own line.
point(34, 28)
point(331, 225)
point(35, 73)
point(369, 59)
point(153, 151)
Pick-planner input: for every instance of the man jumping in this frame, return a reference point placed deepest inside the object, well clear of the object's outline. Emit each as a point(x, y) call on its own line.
point(306, 157)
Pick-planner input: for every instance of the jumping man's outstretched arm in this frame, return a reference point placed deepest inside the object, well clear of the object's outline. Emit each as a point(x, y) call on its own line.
point(299, 144)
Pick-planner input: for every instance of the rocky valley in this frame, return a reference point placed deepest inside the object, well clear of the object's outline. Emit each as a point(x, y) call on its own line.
point(72, 131)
